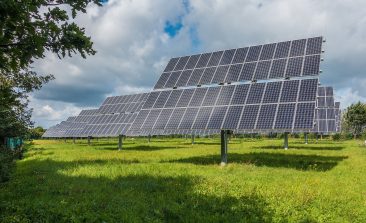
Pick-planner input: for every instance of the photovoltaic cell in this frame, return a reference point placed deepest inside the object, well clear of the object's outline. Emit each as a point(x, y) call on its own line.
point(233, 73)
point(272, 92)
point(181, 63)
point(188, 118)
point(255, 93)
point(207, 75)
point(171, 64)
point(247, 72)
point(217, 117)
point(225, 95)
point(192, 61)
point(294, 67)
point(198, 96)
point(298, 47)
point(285, 116)
point(232, 117)
point(249, 117)
point(266, 116)
point(227, 57)
point(262, 70)
point(202, 62)
point(282, 49)
point(289, 91)
point(215, 58)
point(240, 94)
point(220, 74)
point(253, 53)
point(240, 55)
point(268, 51)
point(304, 116)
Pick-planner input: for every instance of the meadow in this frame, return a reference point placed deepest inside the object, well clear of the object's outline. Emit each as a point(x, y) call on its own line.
point(171, 180)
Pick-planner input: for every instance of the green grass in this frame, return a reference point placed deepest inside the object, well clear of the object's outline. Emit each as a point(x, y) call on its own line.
point(169, 180)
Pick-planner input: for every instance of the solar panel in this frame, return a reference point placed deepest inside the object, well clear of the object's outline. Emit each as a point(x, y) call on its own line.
point(328, 113)
point(295, 58)
point(270, 106)
point(116, 114)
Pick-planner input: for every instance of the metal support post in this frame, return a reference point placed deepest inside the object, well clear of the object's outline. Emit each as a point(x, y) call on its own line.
point(306, 138)
point(149, 138)
point(224, 147)
point(286, 141)
point(73, 140)
point(316, 137)
point(192, 139)
point(120, 142)
point(89, 138)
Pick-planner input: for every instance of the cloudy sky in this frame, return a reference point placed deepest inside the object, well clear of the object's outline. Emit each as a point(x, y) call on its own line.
point(136, 38)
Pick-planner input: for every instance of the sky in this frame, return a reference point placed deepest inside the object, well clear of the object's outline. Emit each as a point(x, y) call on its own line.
point(135, 39)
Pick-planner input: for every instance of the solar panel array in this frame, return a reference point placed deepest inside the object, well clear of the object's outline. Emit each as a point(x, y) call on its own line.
point(115, 116)
point(271, 87)
point(273, 106)
point(270, 61)
point(327, 114)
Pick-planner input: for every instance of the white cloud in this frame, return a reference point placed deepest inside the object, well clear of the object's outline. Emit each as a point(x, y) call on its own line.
point(133, 48)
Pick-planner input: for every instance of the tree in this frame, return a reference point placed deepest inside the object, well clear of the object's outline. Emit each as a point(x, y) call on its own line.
point(355, 118)
point(29, 29)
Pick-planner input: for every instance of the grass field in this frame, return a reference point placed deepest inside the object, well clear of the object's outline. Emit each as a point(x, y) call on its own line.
point(170, 180)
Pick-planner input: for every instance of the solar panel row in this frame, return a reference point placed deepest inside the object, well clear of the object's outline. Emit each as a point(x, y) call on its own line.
point(270, 61)
point(272, 105)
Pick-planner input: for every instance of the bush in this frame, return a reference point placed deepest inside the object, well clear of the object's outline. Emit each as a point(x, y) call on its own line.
point(6, 164)
point(336, 136)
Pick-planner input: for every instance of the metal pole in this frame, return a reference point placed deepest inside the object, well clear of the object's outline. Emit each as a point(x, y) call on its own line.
point(149, 138)
point(316, 137)
point(223, 147)
point(120, 142)
point(73, 140)
point(192, 139)
point(286, 141)
point(306, 138)
point(89, 137)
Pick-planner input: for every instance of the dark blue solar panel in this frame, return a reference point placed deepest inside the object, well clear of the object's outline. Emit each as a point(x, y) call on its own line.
point(314, 45)
point(192, 61)
point(233, 73)
point(304, 116)
point(298, 48)
point(232, 117)
point(207, 75)
point(171, 64)
point(262, 70)
point(247, 72)
point(329, 101)
point(202, 62)
point(198, 96)
point(163, 119)
point(175, 118)
point(253, 53)
point(225, 95)
point(181, 63)
point(282, 49)
point(140, 119)
point(162, 80)
point(285, 116)
point(308, 90)
point(255, 93)
point(211, 96)
point(278, 68)
point(185, 98)
point(227, 57)
point(321, 101)
point(188, 118)
point(240, 94)
point(184, 77)
point(220, 74)
point(202, 118)
point(294, 67)
point(215, 58)
point(163, 97)
point(240, 55)
point(151, 119)
point(266, 116)
point(311, 65)
point(289, 91)
point(321, 91)
point(249, 117)
point(195, 77)
point(173, 98)
point(272, 92)
point(172, 79)
point(217, 117)
point(267, 51)
point(151, 100)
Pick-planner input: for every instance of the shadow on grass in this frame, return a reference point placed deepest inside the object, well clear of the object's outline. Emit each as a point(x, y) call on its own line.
point(299, 146)
point(138, 148)
point(299, 162)
point(44, 194)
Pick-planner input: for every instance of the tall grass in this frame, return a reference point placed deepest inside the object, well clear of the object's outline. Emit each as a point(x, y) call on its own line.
point(171, 180)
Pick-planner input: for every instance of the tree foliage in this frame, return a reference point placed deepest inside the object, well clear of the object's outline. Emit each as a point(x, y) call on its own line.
point(28, 30)
point(354, 119)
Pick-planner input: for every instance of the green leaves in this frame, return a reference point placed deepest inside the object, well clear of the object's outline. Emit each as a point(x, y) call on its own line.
point(28, 29)
point(355, 118)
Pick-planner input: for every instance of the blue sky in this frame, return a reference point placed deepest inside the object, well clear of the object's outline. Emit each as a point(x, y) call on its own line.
point(136, 38)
